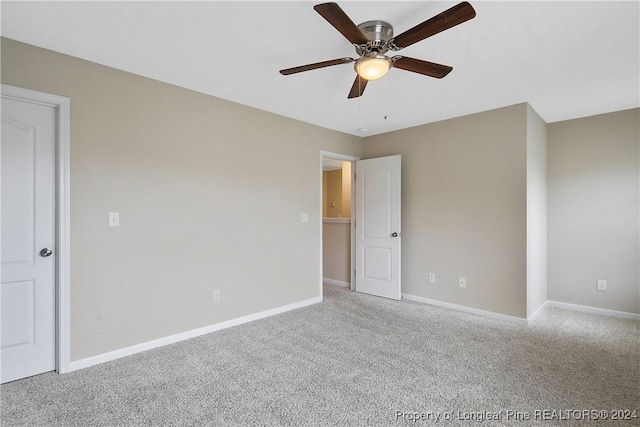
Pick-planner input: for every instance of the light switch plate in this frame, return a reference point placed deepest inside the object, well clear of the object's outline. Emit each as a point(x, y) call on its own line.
point(462, 282)
point(114, 219)
point(304, 217)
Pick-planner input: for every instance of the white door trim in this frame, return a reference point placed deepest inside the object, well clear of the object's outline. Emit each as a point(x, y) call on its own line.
point(345, 157)
point(63, 234)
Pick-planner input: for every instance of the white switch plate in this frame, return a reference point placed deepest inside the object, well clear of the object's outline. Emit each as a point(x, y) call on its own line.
point(462, 282)
point(304, 217)
point(216, 296)
point(602, 285)
point(114, 219)
point(432, 277)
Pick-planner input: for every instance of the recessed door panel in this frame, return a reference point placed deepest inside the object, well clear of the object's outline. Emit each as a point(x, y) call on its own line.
point(377, 203)
point(18, 311)
point(377, 263)
point(18, 186)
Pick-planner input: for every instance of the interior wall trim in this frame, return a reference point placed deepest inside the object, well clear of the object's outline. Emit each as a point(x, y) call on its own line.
point(519, 320)
point(336, 220)
point(336, 282)
point(161, 342)
point(594, 310)
point(538, 312)
point(485, 313)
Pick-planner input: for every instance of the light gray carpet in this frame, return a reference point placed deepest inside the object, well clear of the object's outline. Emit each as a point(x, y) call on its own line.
point(352, 360)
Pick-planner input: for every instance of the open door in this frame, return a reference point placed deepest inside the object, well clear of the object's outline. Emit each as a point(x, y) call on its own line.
point(377, 226)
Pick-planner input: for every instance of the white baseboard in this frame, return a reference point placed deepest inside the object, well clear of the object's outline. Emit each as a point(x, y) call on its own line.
point(517, 320)
point(336, 282)
point(594, 310)
point(538, 312)
point(530, 319)
point(160, 342)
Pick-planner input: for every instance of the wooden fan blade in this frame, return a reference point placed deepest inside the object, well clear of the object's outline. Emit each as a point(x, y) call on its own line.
point(419, 66)
point(443, 21)
point(341, 22)
point(315, 66)
point(358, 87)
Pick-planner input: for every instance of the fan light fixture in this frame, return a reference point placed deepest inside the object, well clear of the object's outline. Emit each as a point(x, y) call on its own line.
point(372, 66)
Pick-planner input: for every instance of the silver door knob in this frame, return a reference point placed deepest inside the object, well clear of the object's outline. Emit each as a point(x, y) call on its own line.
point(394, 234)
point(46, 252)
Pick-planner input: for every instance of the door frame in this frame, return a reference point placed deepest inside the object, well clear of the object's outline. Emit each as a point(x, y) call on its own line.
point(62, 106)
point(346, 158)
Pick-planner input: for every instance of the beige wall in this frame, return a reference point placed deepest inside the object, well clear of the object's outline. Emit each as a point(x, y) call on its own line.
point(536, 211)
point(336, 188)
point(325, 203)
point(593, 214)
point(336, 248)
point(464, 208)
point(200, 208)
point(346, 189)
point(334, 193)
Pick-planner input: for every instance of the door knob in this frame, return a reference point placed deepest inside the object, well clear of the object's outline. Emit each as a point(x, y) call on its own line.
point(394, 234)
point(46, 252)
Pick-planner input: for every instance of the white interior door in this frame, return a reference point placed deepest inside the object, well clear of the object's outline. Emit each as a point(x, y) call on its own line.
point(378, 226)
point(27, 343)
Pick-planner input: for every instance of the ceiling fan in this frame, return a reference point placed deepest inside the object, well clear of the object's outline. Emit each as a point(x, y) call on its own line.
point(373, 39)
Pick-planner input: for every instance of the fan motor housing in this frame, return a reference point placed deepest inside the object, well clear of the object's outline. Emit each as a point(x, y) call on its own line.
point(378, 32)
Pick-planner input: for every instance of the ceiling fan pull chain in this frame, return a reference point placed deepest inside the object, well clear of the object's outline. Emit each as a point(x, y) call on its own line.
point(386, 98)
point(359, 98)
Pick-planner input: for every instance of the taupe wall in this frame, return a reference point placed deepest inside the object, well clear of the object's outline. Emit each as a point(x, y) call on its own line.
point(346, 189)
point(536, 211)
point(593, 213)
point(336, 248)
point(336, 188)
point(325, 203)
point(334, 193)
point(200, 208)
point(464, 207)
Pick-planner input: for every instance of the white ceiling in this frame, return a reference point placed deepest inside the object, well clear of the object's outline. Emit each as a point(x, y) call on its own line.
point(567, 59)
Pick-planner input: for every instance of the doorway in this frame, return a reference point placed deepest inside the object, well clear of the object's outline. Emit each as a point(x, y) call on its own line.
point(336, 225)
point(375, 211)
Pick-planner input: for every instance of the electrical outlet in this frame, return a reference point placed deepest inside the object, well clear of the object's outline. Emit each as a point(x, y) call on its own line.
point(602, 285)
point(432, 277)
point(216, 296)
point(462, 282)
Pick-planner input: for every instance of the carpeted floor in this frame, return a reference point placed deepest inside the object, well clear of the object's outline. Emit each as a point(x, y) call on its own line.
point(356, 360)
